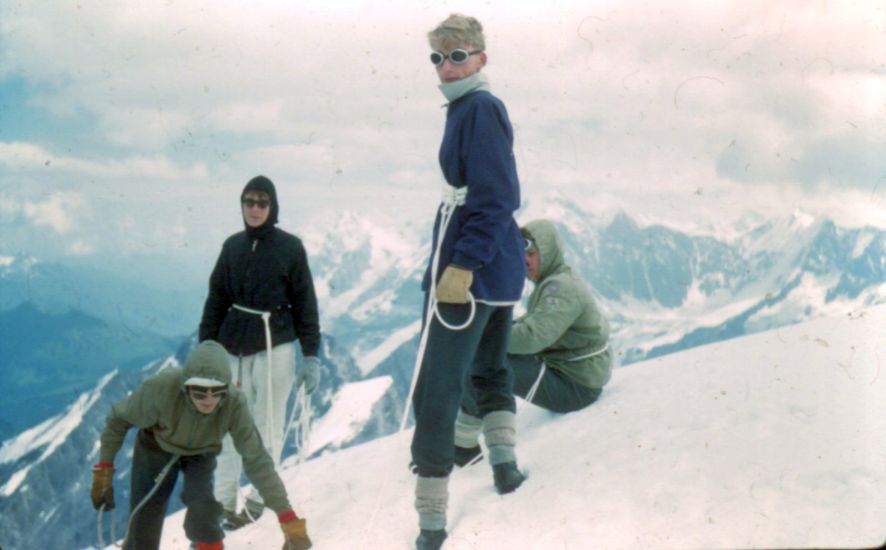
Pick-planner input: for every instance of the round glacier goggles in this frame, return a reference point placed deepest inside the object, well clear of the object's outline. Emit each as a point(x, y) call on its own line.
point(261, 203)
point(456, 56)
point(202, 392)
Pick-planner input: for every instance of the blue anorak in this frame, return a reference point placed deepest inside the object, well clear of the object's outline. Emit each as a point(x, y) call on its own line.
point(477, 152)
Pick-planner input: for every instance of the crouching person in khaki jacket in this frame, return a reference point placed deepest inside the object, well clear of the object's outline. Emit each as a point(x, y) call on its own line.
point(182, 414)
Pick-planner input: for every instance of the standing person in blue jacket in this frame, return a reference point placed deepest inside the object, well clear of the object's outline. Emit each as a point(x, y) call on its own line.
point(474, 278)
point(261, 299)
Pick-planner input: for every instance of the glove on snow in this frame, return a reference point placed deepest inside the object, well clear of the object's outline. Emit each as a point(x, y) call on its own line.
point(309, 375)
point(454, 285)
point(296, 532)
point(103, 486)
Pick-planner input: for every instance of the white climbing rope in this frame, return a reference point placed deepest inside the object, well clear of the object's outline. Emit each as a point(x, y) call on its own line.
point(452, 198)
point(157, 481)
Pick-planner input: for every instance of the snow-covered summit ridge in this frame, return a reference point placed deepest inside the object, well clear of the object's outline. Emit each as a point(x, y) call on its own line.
point(769, 440)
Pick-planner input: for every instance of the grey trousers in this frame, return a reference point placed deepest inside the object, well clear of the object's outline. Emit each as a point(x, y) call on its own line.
point(454, 362)
point(555, 392)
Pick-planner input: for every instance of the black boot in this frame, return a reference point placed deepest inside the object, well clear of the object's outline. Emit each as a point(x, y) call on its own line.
point(507, 477)
point(430, 539)
point(466, 456)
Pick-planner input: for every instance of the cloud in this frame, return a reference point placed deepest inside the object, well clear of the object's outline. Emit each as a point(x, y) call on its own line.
point(843, 160)
point(34, 159)
point(683, 81)
point(81, 248)
point(249, 117)
point(317, 159)
point(58, 212)
point(10, 208)
point(22, 155)
point(846, 157)
point(639, 74)
point(148, 128)
point(693, 110)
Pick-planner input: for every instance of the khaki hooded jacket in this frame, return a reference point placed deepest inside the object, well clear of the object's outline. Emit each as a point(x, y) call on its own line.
point(161, 404)
point(563, 325)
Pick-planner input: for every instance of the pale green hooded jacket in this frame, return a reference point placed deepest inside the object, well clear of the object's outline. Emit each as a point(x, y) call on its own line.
point(162, 404)
point(562, 325)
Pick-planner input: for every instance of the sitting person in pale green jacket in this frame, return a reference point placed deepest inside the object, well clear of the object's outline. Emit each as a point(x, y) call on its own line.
point(559, 349)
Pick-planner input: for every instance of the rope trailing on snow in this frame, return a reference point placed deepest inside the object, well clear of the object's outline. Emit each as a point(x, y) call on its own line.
point(302, 425)
point(269, 420)
point(303, 403)
point(113, 533)
point(452, 198)
point(157, 481)
point(530, 395)
point(592, 354)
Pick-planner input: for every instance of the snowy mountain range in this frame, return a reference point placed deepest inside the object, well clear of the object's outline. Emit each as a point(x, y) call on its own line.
point(130, 300)
point(664, 289)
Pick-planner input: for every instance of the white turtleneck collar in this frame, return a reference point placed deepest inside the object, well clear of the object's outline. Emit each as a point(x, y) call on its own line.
point(459, 88)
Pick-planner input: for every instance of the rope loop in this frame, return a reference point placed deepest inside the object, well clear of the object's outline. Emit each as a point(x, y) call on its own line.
point(462, 326)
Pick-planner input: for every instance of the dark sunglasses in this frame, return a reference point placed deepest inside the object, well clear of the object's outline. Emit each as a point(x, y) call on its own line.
point(201, 392)
point(261, 203)
point(456, 56)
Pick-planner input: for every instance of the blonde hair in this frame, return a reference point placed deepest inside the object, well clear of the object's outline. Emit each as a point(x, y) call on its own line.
point(458, 29)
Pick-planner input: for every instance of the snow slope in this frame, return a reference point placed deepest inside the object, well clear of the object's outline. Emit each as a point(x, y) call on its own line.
point(351, 410)
point(772, 440)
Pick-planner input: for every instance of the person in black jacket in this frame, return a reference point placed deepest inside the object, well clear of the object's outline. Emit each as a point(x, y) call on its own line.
point(261, 298)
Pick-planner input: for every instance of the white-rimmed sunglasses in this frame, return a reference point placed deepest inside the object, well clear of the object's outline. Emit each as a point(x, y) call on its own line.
point(456, 56)
point(200, 392)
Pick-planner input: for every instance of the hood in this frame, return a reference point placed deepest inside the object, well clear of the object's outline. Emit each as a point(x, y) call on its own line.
point(550, 246)
point(208, 360)
point(261, 183)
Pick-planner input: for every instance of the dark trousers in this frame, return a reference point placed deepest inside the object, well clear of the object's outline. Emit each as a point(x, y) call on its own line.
point(203, 515)
point(555, 392)
point(476, 355)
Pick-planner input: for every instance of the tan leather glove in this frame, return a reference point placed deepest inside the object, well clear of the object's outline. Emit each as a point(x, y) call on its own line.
point(454, 285)
point(103, 486)
point(296, 533)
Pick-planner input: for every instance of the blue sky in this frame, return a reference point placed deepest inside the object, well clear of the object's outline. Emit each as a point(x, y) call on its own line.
point(128, 128)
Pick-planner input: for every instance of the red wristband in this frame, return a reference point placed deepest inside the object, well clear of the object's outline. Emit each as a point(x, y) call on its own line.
point(287, 516)
point(102, 466)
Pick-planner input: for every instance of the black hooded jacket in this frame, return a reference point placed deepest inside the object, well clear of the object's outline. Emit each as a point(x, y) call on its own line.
point(262, 268)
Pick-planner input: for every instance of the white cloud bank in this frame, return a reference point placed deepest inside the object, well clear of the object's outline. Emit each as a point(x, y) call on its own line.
point(690, 113)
